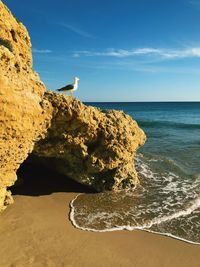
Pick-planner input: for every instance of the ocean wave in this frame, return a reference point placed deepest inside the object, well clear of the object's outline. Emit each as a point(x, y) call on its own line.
point(171, 124)
point(157, 206)
point(146, 227)
point(195, 204)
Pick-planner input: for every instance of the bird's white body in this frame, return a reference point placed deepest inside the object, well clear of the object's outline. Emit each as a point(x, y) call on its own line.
point(70, 87)
point(75, 84)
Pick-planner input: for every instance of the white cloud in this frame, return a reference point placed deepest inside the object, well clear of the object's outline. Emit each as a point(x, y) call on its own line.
point(41, 51)
point(77, 30)
point(146, 51)
point(196, 51)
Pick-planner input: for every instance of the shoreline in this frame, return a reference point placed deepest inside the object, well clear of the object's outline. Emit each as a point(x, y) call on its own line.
point(121, 228)
point(36, 231)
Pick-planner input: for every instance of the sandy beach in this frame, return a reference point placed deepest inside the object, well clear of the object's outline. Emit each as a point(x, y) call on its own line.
point(132, 126)
point(36, 231)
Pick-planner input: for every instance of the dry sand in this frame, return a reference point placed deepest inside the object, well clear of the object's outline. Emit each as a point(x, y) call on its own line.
point(35, 231)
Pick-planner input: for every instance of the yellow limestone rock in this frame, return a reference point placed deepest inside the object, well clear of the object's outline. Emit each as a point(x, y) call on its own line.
point(93, 147)
point(22, 118)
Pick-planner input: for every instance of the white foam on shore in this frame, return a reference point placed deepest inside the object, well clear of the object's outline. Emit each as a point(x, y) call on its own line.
point(172, 184)
point(173, 236)
point(194, 205)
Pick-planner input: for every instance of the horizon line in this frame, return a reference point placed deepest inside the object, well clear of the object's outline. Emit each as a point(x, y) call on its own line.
point(167, 101)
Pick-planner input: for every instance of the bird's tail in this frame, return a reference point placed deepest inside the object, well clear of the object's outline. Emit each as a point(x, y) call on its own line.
point(59, 89)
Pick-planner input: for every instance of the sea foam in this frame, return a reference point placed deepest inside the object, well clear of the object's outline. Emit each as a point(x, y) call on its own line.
point(180, 199)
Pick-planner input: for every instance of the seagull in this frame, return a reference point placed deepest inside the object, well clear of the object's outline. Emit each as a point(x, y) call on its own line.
point(70, 87)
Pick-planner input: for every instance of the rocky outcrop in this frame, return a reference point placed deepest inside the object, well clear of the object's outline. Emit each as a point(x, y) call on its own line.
point(22, 118)
point(91, 146)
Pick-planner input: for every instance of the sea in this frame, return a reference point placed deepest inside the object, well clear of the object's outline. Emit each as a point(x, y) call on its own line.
point(167, 201)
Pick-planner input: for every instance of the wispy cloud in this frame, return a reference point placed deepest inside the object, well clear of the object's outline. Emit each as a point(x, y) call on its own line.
point(41, 51)
point(195, 3)
point(147, 51)
point(77, 30)
point(136, 66)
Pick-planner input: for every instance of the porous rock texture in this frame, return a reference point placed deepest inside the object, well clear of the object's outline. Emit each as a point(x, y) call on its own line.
point(91, 146)
point(22, 117)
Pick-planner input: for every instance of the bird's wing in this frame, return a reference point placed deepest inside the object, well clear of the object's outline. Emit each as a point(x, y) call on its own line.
point(67, 87)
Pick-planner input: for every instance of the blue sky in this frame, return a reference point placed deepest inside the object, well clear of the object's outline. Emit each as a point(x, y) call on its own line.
point(122, 50)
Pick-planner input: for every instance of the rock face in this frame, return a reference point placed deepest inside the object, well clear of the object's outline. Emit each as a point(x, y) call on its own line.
point(22, 118)
point(93, 147)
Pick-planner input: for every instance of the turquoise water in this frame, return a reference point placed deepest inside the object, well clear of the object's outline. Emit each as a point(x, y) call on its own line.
point(168, 199)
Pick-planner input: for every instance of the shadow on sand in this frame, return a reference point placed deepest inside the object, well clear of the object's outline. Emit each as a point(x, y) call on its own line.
point(37, 180)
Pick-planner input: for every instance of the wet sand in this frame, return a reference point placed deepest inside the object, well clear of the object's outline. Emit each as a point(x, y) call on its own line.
point(36, 231)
